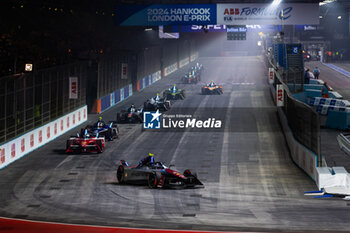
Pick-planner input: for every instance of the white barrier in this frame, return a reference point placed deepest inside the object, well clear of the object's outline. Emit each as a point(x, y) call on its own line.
point(17, 148)
point(334, 180)
point(194, 56)
point(303, 157)
point(169, 69)
point(156, 76)
point(184, 62)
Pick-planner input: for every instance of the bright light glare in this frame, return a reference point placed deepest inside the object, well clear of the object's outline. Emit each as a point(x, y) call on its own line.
point(28, 67)
point(259, 43)
point(321, 16)
point(339, 17)
point(276, 2)
point(326, 2)
point(148, 29)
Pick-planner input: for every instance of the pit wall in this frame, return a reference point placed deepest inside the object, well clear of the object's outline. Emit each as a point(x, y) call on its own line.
point(21, 146)
point(301, 155)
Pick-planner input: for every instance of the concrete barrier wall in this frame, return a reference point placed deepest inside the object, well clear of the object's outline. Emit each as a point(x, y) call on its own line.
point(302, 156)
point(169, 69)
point(21, 146)
point(183, 62)
point(148, 80)
point(194, 56)
point(113, 98)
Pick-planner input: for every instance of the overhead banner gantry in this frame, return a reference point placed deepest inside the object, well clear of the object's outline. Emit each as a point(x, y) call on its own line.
point(217, 14)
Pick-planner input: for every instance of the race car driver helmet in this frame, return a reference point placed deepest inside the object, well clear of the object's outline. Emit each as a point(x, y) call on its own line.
point(150, 154)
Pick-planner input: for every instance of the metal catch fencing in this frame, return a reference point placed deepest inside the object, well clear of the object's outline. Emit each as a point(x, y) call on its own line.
point(30, 100)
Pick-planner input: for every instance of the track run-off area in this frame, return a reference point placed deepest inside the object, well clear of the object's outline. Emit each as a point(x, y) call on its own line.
point(250, 182)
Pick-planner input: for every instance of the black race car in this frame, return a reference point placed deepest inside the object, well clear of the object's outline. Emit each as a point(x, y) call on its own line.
point(156, 175)
point(110, 131)
point(152, 105)
point(130, 116)
point(174, 94)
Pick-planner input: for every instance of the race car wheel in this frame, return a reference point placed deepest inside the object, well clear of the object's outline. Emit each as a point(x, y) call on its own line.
point(68, 145)
point(119, 118)
point(183, 95)
point(166, 106)
point(153, 180)
point(99, 146)
point(115, 133)
point(120, 174)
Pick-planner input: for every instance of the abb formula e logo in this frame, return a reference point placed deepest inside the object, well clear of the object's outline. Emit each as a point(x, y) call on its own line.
point(262, 12)
point(231, 11)
point(2, 155)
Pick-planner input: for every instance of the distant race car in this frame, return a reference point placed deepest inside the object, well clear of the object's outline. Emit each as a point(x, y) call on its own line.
point(109, 131)
point(128, 116)
point(151, 105)
point(156, 176)
point(212, 89)
point(190, 79)
point(171, 94)
point(85, 142)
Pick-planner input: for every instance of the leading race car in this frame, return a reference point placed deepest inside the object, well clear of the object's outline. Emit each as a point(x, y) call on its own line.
point(131, 115)
point(212, 89)
point(109, 131)
point(174, 93)
point(85, 142)
point(156, 175)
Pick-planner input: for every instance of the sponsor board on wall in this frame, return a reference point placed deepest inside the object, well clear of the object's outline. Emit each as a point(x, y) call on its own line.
point(223, 28)
point(217, 14)
point(32, 140)
point(124, 71)
point(170, 69)
point(73, 87)
point(267, 14)
point(157, 15)
point(279, 95)
point(271, 76)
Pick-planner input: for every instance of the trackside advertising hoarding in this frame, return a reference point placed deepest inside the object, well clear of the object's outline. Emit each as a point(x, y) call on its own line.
point(157, 15)
point(217, 14)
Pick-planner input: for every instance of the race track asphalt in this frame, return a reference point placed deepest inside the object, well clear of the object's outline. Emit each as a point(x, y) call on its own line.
point(251, 184)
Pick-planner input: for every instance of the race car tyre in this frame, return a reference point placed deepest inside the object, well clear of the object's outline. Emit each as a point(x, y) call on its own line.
point(118, 117)
point(110, 135)
point(114, 133)
point(100, 147)
point(183, 95)
point(67, 144)
point(167, 105)
point(120, 174)
point(153, 180)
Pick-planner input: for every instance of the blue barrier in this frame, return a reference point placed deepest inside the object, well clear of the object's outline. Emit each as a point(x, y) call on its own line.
point(328, 101)
point(336, 68)
point(105, 102)
point(113, 98)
